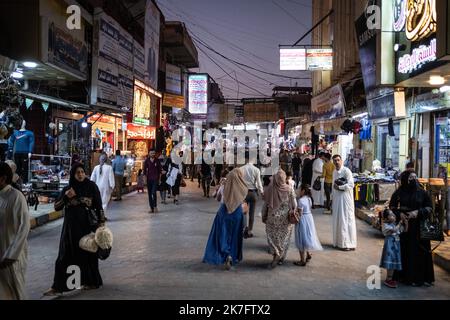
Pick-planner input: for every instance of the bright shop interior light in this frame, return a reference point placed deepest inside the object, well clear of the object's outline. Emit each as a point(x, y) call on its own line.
point(84, 124)
point(362, 115)
point(437, 80)
point(30, 64)
point(444, 89)
point(17, 75)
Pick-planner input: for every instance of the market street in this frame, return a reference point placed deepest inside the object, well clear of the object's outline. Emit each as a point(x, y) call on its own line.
point(159, 256)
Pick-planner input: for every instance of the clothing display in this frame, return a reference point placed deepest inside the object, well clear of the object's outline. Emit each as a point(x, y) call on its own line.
point(20, 144)
point(366, 132)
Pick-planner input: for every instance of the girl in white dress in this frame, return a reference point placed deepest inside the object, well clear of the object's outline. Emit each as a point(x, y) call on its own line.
point(306, 238)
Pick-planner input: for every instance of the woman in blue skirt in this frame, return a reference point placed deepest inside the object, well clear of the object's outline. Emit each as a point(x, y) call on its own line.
point(306, 238)
point(225, 240)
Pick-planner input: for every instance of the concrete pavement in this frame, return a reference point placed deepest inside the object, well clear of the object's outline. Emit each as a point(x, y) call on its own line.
point(158, 256)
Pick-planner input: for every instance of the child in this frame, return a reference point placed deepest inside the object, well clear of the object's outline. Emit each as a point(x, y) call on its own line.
point(391, 258)
point(306, 239)
point(140, 181)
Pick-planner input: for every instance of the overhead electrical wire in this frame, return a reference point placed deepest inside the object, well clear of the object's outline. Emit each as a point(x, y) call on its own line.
point(218, 65)
point(244, 65)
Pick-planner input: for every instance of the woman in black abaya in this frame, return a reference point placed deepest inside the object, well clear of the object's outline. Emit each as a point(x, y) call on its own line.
point(80, 196)
point(413, 204)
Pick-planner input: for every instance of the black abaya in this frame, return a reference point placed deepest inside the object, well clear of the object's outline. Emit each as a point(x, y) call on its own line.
point(417, 261)
point(76, 225)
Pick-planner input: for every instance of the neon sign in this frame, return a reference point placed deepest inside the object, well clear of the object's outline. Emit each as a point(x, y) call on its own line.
point(419, 56)
point(421, 19)
point(400, 7)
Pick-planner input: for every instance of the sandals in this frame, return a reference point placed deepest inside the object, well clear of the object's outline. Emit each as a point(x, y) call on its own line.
point(52, 293)
point(300, 263)
point(228, 263)
point(308, 257)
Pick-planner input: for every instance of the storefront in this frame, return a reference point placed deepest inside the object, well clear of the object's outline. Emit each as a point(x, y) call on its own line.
point(107, 133)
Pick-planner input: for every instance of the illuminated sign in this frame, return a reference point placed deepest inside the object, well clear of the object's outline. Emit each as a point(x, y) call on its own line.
point(172, 100)
point(293, 59)
point(319, 59)
point(420, 19)
point(400, 7)
point(198, 93)
point(416, 24)
point(419, 57)
point(141, 105)
point(140, 132)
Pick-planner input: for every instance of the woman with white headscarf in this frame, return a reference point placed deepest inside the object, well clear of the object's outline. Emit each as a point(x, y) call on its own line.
point(279, 198)
point(103, 176)
point(225, 240)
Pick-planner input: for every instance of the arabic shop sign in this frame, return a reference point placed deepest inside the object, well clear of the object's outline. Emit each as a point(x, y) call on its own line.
point(415, 22)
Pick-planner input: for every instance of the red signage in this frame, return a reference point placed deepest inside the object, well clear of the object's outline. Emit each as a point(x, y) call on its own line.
point(140, 132)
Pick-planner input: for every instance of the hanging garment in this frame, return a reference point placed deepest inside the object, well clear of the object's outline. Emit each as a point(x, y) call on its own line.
point(391, 128)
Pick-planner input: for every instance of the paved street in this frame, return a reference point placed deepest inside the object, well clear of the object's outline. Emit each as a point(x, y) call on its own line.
point(159, 257)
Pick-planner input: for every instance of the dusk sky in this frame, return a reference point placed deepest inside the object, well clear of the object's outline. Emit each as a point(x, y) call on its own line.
point(247, 31)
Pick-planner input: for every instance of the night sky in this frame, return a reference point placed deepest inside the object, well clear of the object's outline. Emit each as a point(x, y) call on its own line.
point(247, 31)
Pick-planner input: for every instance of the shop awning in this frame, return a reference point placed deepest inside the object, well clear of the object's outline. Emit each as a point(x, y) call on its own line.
point(72, 105)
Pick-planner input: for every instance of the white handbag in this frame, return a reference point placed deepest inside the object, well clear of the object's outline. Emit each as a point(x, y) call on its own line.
point(88, 243)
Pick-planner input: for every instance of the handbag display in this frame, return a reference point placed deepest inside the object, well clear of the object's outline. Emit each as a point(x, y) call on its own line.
point(317, 184)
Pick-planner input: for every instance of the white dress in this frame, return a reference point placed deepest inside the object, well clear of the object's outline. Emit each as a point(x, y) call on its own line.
point(318, 196)
point(306, 238)
point(105, 182)
point(14, 229)
point(343, 211)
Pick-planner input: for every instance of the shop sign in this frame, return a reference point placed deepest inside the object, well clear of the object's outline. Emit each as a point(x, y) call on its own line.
point(382, 107)
point(198, 93)
point(66, 52)
point(173, 79)
point(125, 89)
point(138, 61)
point(261, 112)
point(415, 22)
point(152, 26)
point(171, 100)
point(328, 105)
point(239, 114)
point(125, 56)
point(108, 38)
point(367, 40)
point(141, 106)
point(319, 59)
point(140, 132)
point(293, 59)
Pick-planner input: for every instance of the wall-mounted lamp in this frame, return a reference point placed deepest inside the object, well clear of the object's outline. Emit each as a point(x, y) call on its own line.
point(399, 47)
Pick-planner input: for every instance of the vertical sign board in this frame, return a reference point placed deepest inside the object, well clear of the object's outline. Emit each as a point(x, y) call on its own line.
point(198, 93)
point(173, 79)
point(125, 60)
point(138, 61)
point(105, 71)
point(152, 26)
point(367, 40)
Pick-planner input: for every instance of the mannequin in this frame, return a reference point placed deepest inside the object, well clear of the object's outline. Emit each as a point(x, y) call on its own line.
point(21, 145)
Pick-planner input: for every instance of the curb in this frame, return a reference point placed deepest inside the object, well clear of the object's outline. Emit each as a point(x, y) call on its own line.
point(438, 257)
point(46, 218)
